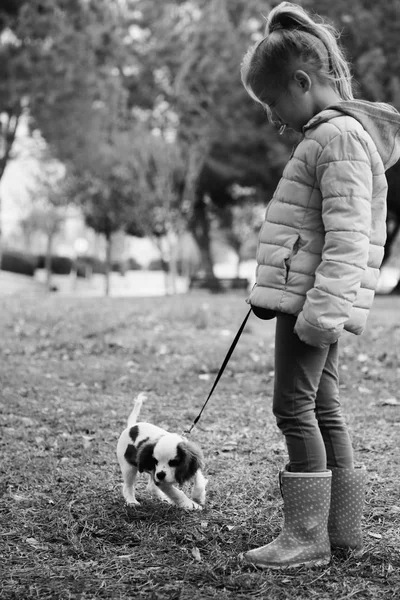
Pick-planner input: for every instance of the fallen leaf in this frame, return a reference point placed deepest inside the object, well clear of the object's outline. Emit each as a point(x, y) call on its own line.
point(204, 376)
point(363, 390)
point(19, 497)
point(229, 447)
point(35, 544)
point(362, 357)
point(87, 441)
point(27, 421)
point(196, 554)
point(394, 510)
point(389, 402)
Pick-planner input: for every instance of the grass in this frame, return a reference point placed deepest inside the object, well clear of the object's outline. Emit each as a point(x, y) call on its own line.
point(70, 370)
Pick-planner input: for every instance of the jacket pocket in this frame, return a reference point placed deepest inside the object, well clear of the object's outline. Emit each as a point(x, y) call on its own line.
point(288, 260)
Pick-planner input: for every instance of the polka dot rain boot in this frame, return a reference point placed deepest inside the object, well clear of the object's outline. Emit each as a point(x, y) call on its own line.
point(304, 538)
point(347, 502)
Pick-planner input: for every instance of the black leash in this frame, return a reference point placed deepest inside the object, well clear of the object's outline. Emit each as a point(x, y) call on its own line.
point(222, 369)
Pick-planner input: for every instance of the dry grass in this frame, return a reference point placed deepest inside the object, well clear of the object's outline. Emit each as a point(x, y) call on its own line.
point(70, 369)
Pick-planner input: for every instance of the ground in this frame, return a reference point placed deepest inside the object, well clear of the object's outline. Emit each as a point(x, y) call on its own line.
point(70, 368)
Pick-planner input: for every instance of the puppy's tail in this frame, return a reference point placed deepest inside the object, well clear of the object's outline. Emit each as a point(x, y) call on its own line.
point(136, 409)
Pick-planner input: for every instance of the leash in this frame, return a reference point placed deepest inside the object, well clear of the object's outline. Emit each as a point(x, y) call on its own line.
point(221, 370)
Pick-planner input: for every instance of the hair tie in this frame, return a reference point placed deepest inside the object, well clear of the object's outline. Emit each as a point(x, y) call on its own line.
point(275, 27)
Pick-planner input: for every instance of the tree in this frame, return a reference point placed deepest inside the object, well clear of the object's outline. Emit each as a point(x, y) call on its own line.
point(163, 208)
point(90, 70)
point(53, 69)
point(241, 222)
point(190, 55)
point(107, 206)
point(50, 200)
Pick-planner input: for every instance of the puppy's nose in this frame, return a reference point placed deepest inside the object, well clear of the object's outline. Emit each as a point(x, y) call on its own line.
point(161, 475)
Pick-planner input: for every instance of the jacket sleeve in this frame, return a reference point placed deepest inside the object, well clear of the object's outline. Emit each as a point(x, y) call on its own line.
point(344, 176)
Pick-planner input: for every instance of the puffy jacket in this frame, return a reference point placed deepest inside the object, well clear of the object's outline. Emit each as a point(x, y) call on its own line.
point(322, 243)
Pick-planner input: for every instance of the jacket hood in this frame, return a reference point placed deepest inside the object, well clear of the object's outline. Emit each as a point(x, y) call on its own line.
point(381, 121)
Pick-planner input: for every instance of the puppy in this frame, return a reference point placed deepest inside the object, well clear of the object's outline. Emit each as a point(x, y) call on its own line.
point(168, 459)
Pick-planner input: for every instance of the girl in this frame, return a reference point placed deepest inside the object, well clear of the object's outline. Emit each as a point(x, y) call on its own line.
point(319, 254)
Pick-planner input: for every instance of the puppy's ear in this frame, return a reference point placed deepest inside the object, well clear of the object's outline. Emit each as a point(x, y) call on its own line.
point(145, 458)
point(190, 460)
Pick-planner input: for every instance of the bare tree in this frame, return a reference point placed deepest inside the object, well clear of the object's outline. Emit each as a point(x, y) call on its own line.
point(48, 191)
point(160, 174)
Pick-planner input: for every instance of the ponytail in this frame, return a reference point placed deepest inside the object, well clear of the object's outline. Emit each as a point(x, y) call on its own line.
point(293, 40)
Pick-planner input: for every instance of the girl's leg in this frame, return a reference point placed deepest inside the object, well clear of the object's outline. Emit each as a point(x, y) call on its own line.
point(339, 451)
point(298, 371)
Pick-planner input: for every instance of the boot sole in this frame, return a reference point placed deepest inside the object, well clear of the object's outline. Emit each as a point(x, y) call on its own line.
point(311, 563)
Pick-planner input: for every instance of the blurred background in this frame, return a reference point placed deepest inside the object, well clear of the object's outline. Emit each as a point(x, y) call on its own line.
point(132, 162)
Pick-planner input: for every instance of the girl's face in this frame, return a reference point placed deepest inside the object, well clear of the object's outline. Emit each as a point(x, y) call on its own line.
point(294, 105)
point(291, 108)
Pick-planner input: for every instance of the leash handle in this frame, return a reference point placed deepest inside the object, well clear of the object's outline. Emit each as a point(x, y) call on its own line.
point(221, 370)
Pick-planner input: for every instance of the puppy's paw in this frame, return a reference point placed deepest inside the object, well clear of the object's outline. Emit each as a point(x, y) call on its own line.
point(199, 494)
point(192, 505)
point(132, 502)
point(129, 496)
point(199, 498)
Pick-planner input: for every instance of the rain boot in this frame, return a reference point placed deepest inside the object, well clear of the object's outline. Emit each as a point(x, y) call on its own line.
point(348, 492)
point(304, 538)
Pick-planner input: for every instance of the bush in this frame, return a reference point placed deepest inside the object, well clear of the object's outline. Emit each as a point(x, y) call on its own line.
point(133, 265)
point(158, 264)
point(60, 265)
point(119, 266)
point(87, 263)
point(19, 262)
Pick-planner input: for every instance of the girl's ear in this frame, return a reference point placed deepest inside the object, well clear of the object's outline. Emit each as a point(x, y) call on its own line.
point(145, 458)
point(303, 80)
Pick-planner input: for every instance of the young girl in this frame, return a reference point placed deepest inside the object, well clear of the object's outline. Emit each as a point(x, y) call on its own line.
point(319, 254)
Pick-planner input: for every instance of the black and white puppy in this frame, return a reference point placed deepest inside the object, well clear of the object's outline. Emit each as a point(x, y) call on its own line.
point(168, 459)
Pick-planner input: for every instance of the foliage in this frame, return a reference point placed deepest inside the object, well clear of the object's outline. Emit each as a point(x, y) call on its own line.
point(18, 262)
point(91, 72)
point(59, 265)
point(370, 34)
point(106, 207)
point(159, 173)
point(241, 221)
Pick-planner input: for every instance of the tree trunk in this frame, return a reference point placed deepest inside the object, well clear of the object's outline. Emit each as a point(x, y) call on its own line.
point(200, 228)
point(1, 236)
point(108, 263)
point(238, 265)
point(164, 263)
point(392, 232)
point(8, 134)
point(173, 262)
point(47, 261)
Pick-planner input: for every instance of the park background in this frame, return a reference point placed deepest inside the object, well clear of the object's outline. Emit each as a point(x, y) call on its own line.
point(128, 142)
point(132, 163)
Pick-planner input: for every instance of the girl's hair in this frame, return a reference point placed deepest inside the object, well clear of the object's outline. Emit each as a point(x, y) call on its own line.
point(293, 40)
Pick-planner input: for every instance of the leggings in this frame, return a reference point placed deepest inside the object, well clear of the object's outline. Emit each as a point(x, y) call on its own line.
point(306, 402)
